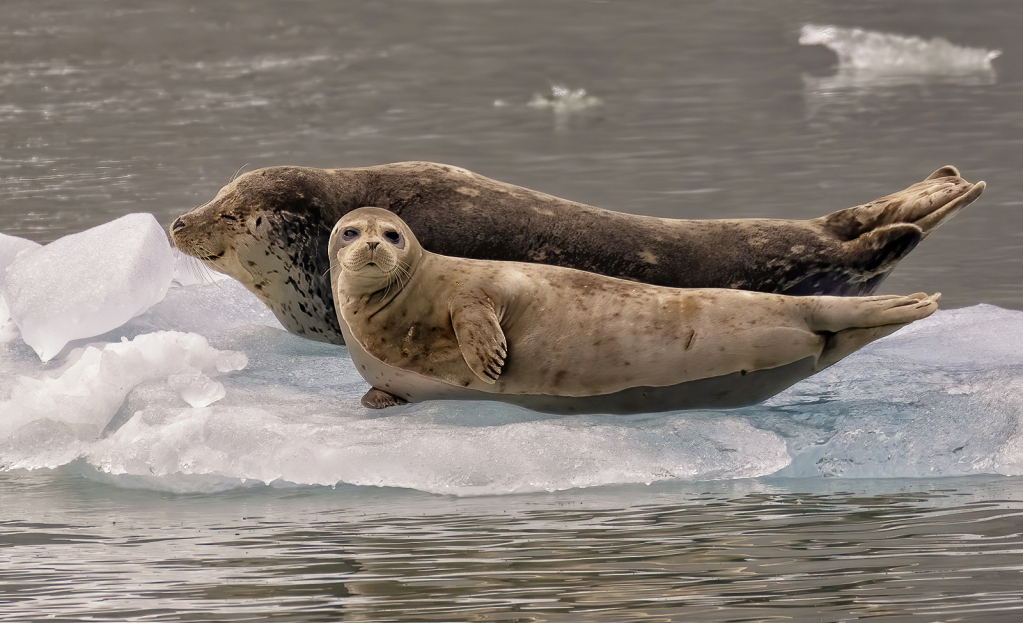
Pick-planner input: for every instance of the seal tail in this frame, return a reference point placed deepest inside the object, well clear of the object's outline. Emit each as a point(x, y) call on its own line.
point(927, 204)
point(854, 323)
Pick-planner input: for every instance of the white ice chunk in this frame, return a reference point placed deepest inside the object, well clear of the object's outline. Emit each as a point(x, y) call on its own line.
point(564, 100)
point(197, 389)
point(57, 413)
point(88, 283)
point(10, 248)
point(884, 52)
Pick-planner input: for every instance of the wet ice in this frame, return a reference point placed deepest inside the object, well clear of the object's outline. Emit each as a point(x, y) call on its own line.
point(88, 283)
point(205, 390)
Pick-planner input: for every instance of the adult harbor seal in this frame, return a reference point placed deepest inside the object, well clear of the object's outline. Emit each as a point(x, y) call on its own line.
point(423, 326)
point(269, 230)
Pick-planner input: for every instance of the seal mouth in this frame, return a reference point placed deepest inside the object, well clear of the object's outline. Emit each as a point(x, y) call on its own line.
point(209, 258)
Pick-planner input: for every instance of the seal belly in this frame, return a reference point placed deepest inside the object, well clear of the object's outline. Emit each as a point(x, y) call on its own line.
point(727, 391)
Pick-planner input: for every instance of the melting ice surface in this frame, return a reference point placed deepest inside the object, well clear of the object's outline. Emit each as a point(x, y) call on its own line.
point(204, 391)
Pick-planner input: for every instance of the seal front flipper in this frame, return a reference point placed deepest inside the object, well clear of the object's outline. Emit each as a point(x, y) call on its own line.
point(480, 337)
point(379, 399)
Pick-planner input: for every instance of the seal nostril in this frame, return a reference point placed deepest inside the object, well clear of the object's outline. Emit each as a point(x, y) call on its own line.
point(372, 245)
point(177, 224)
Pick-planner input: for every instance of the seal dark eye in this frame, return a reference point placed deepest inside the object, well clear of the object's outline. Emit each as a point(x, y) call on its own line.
point(350, 233)
point(392, 236)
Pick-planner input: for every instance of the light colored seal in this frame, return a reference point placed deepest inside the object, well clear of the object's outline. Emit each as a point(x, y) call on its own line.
point(269, 230)
point(424, 326)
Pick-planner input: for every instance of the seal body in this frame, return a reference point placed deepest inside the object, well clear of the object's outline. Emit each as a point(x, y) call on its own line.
point(425, 326)
point(269, 229)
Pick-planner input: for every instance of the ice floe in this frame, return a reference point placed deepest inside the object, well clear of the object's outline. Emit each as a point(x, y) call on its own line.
point(204, 391)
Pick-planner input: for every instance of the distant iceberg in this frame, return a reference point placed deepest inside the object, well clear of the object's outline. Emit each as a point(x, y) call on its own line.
point(878, 52)
point(872, 63)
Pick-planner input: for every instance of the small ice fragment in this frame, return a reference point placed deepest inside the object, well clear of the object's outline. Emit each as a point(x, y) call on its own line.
point(88, 283)
point(563, 99)
point(231, 361)
point(197, 389)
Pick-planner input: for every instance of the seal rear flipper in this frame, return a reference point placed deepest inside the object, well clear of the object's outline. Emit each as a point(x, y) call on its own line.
point(926, 204)
point(878, 251)
point(866, 263)
point(854, 323)
point(844, 343)
point(480, 337)
point(379, 399)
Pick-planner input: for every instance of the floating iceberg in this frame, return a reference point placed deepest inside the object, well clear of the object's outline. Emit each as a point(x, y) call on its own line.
point(206, 391)
point(10, 248)
point(868, 61)
point(879, 52)
point(88, 283)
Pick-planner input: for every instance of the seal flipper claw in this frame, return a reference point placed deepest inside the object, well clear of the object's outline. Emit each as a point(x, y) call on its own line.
point(480, 336)
point(379, 399)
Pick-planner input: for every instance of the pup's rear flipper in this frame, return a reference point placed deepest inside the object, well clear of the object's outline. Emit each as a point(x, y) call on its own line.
point(887, 314)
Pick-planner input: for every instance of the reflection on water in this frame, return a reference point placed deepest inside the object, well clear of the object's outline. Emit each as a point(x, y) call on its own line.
point(709, 552)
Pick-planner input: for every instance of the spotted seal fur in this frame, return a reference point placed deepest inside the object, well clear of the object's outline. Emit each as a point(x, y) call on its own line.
point(423, 326)
point(269, 230)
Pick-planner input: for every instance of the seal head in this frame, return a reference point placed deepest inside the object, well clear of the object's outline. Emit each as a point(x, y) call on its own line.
point(269, 230)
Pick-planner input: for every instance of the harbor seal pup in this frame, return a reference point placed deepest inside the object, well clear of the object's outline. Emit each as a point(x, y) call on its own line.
point(269, 230)
point(423, 326)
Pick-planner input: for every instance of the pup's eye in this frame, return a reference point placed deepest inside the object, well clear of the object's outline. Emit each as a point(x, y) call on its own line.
point(350, 233)
point(392, 236)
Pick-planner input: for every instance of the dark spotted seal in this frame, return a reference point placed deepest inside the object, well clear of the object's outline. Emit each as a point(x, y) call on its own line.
point(269, 229)
point(424, 326)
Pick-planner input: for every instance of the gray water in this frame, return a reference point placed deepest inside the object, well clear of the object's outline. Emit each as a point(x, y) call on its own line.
point(706, 110)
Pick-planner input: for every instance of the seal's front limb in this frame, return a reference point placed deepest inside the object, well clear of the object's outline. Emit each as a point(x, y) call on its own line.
point(379, 399)
point(480, 337)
